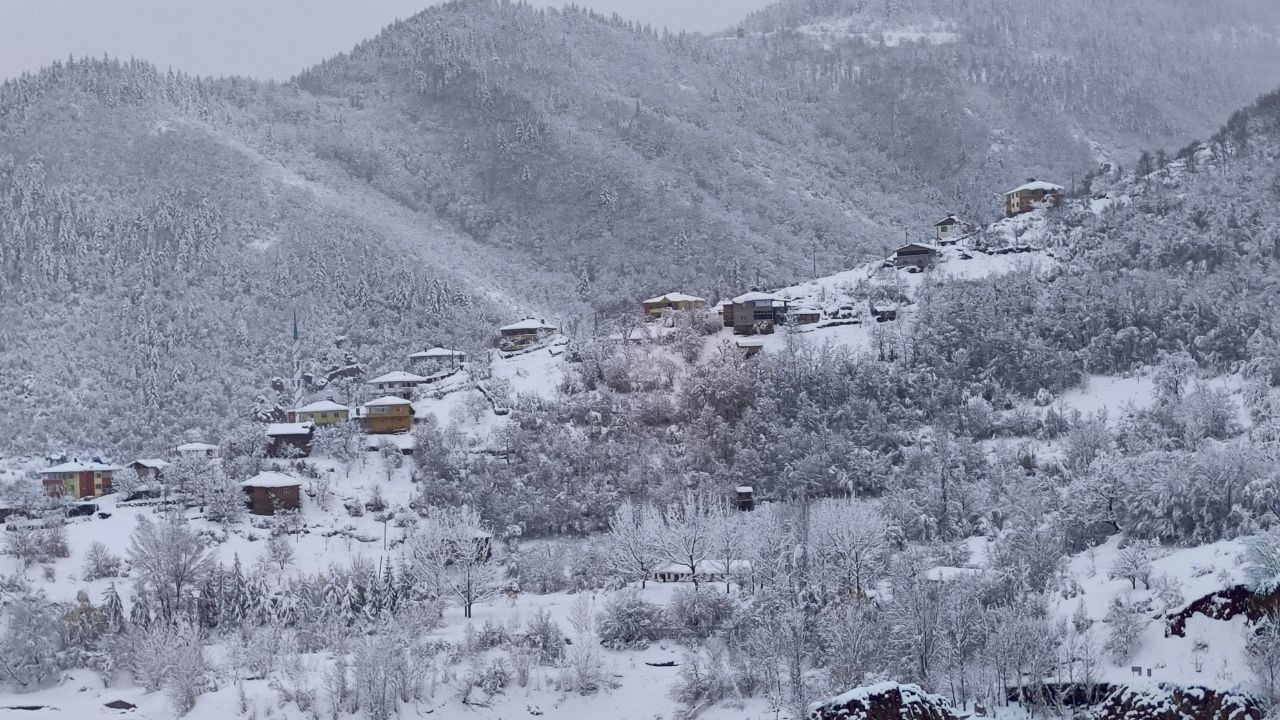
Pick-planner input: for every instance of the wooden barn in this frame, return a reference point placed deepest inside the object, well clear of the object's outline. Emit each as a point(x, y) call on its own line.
point(149, 469)
point(290, 440)
point(1026, 197)
point(519, 335)
point(268, 491)
point(803, 315)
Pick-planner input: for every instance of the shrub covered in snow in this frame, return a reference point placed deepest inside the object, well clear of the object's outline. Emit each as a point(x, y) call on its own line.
point(699, 611)
point(629, 620)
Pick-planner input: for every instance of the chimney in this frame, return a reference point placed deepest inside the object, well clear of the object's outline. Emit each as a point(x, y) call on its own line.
point(1031, 180)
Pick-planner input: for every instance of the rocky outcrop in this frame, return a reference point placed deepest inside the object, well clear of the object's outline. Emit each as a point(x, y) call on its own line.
point(1165, 701)
point(1224, 605)
point(884, 701)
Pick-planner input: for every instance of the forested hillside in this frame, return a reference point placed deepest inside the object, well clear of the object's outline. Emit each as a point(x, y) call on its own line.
point(967, 95)
point(482, 160)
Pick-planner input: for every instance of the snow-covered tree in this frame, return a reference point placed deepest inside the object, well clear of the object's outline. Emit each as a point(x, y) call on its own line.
point(451, 551)
point(169, 561)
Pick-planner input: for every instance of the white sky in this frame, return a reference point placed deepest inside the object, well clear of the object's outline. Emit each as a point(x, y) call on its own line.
point(260, 38)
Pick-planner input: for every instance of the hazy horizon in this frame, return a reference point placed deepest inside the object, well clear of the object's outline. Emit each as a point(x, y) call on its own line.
point(272, 40)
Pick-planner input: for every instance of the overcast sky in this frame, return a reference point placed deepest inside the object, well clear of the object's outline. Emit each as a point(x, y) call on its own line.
point(261, 38)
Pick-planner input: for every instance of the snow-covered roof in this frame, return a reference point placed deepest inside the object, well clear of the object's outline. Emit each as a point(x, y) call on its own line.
point(745, 489)
point(751, 343)
point(196, 447)
point(528, 324)
point(280, 429)
point(271, 479)
point(153, 463)
point(755, 297)
point(674, 297)
point(398, 376)
point(78, 466)
point(948, 220)
point(437, 352)
point(322, 406)
point(1034, 185)
point(388, 400)
point(926, 246)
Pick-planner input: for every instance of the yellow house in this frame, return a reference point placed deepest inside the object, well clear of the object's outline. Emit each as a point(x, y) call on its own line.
point(324, 412)
point(77, 479)
point(388, 415)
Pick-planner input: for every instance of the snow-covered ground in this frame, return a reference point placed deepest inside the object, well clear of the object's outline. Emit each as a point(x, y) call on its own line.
point(1193, 573)
point(842, 296)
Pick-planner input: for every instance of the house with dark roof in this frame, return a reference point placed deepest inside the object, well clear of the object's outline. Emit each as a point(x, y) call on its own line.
point(919, 255)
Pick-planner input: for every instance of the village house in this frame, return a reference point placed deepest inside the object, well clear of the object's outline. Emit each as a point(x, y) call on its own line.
point(708, 571)
point(919, 255)
point(387, 415)
point(197, 449)
point(520, 335)
point(323, 412)
point(399, 383)
point(755, 312)
point(77, 479)
point(803, 315)
point(268, 491)
point(289, 440)
point(883, 311)
point(745, 498)
point(1035, 192)
point(437, 358)
point(750, 347)
point(149, 470)
point(949, 230)
point(654, 307)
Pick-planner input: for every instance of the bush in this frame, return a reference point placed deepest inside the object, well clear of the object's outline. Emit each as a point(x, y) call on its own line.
point(545, 637)
point(542, 571)
point(99, 563)
point(699, 611)
point(629, 621)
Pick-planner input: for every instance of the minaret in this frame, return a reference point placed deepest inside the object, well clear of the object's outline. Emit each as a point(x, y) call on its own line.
point(297, 363)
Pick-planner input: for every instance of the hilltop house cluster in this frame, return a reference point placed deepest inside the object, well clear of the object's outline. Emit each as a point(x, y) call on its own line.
point(391, 412)
point(951, 230)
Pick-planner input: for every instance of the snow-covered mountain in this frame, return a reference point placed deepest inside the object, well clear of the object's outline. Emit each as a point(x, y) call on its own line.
point(484, 160)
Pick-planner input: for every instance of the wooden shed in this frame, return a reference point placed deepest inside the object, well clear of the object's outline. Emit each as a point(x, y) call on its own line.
point(288, 440)
point(267, 491)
